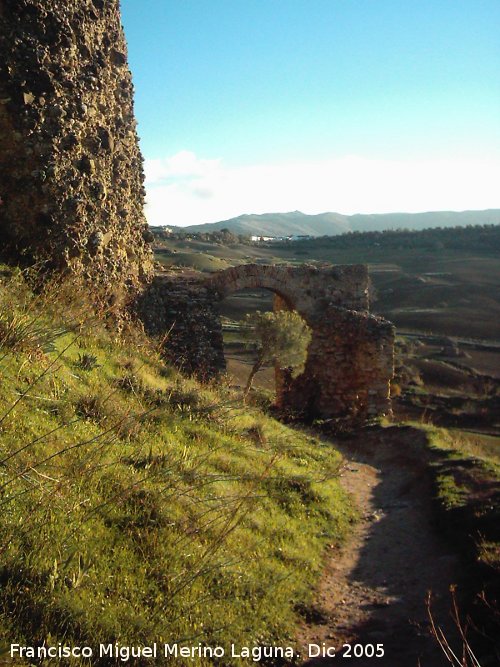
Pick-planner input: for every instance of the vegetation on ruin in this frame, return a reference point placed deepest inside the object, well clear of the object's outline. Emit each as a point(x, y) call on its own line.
point(280, 338)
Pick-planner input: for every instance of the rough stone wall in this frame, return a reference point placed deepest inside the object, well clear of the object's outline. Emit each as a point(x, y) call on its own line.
point(184, 309)
point(71, 177)
point(350, 357)
point(304, 288)
point(348, 371)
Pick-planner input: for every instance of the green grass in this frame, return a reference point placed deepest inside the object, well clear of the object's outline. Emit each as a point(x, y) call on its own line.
point(478, 445)
point(484, 450)
point(451, 494)
point(138, 506)
point(466, 471)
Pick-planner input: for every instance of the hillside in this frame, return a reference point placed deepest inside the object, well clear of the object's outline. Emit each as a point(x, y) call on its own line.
point(297, 223)
point(140, 506)
point(279, 224)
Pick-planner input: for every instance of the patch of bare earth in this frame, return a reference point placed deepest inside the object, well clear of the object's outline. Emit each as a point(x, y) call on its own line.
point(374, 590)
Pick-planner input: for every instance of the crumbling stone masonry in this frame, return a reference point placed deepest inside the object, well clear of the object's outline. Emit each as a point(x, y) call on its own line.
point(71, 177)
point(350, 358)
point(182, 309)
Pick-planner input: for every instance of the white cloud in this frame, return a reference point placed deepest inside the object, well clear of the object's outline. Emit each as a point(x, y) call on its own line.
point(184, 164)
point(184, 189)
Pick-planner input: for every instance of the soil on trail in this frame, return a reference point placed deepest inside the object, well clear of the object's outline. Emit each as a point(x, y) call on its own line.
point(374, 590)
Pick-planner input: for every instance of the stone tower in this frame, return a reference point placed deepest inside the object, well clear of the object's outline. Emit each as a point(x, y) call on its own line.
point(71, 176)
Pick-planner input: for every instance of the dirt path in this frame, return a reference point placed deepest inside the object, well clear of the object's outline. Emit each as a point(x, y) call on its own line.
point(374, 590)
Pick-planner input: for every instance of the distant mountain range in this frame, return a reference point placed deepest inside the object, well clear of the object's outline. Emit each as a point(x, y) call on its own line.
point(297, 223)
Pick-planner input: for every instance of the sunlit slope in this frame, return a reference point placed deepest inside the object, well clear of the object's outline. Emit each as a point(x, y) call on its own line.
point(139, 506)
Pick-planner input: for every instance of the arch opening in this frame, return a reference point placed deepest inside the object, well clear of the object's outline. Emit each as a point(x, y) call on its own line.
point(350, 357)
point(243, 348)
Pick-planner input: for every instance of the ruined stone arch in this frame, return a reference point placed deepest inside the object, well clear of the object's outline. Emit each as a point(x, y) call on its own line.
point(252, 276)
point(303, 288)
point(350, 357)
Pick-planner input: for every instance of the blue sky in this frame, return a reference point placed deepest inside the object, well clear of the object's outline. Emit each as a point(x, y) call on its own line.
point(247, 106)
